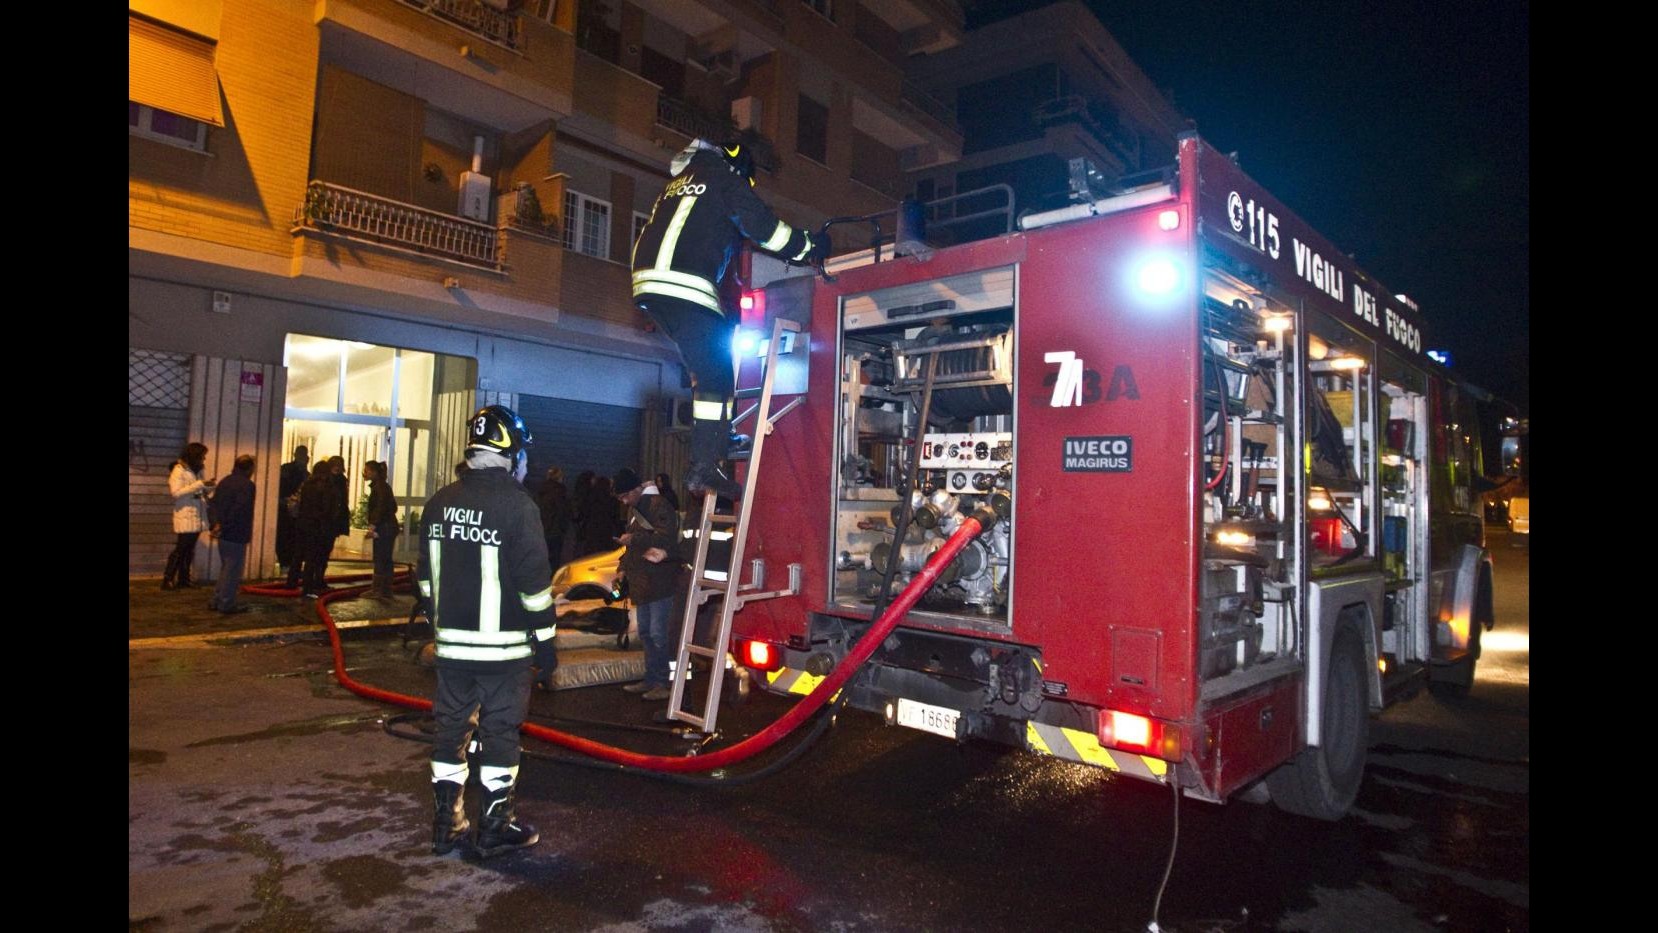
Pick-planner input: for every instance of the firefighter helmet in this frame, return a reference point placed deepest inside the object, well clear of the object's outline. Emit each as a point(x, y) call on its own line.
point(740, 156)
point(498, 428)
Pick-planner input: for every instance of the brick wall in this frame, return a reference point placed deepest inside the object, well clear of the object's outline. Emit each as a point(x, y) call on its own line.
point(243, 194)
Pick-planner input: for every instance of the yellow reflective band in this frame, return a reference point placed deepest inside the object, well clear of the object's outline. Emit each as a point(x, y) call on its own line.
point(537, 602)
point(434, 553)
point(468, 653)
point(707, 411)
point(671, 277)
point(449, 771)
point(489, 589)
point(670, 240)
point(734, 150)
point(426, 589)
point(779, 237)
point(676, 291)
point(469, 637)
point(803, 251)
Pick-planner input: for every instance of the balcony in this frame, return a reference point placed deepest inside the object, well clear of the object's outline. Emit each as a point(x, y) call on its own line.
point(485, 22)
point(928, 104)
point(333, 210)
point(682, 118)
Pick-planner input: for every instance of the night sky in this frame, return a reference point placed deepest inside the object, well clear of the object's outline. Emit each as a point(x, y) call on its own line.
point(1401, 131)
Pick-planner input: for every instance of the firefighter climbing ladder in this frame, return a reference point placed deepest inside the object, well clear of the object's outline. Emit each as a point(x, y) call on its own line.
point(706, 584)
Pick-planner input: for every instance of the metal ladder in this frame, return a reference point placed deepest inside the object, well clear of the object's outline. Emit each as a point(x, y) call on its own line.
point(736, 593)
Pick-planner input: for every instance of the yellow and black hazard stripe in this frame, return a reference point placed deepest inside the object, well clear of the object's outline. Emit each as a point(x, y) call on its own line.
point(786, 680)
point(1085, 748)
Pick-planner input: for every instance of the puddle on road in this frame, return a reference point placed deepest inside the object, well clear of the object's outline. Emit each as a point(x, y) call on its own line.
point(360, 722)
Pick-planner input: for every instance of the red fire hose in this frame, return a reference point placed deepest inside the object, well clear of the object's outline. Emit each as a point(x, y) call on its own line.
point(754, 744)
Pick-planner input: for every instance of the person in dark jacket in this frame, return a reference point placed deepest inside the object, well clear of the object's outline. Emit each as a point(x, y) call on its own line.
point(341, 523)
point(288, 481)
point(554, 504)
point(383, 527)
point(232, 516)
point(652, 535)
point(680, 264)
point(601, 519)
point(315, 524)
point(483, 570)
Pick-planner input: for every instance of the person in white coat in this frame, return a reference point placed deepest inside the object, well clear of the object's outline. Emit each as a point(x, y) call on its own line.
point(190, 491)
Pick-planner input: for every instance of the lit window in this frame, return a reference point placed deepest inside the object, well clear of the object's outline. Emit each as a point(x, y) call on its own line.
point(586, 225)
point(169, 128)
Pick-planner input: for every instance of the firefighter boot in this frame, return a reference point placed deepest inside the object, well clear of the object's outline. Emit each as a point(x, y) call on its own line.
point(501, 830)
point(449, 823)
point(709, 438)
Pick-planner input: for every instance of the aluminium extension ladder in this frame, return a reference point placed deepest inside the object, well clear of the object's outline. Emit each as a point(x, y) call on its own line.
point(706, 584)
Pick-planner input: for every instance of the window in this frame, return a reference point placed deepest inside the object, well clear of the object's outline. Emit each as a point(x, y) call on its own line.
point(812, 131)
point(169, 128)
point(586, 225)
point(825, 8)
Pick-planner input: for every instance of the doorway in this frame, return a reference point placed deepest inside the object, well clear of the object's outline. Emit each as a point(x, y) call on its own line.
point(362, 401)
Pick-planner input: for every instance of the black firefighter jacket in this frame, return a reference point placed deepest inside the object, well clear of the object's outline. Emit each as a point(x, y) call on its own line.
point(696, 226)
point(483, 570)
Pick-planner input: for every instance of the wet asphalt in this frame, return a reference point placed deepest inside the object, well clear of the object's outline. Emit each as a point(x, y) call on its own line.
point(264, 796)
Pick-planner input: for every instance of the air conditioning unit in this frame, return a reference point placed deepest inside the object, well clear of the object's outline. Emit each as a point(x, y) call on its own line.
point(475, 185)
point(677, 413)
point(746, 112)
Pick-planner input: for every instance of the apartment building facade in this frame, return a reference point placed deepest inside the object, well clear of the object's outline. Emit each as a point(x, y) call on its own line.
point(352, 221)
point(1032, 92)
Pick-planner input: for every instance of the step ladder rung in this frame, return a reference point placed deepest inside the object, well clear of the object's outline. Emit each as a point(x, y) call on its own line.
point(722, 518)
point(749, 393)
point(700, 650)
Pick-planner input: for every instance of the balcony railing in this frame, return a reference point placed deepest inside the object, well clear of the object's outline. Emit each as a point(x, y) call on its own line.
point(363, 216)
point(477, 18)
point(681, 117)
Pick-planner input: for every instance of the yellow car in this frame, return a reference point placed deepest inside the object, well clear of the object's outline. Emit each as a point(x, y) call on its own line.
point(1519, 515)
point(590, 577)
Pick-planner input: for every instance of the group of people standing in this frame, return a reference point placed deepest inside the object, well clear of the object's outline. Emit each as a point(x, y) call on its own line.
point(593, 516)
point(312, 510)
point(223, 510)
point(316, 510)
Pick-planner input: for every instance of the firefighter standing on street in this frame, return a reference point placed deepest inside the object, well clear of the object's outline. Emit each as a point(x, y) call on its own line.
point(483, 570)
point(680, 264)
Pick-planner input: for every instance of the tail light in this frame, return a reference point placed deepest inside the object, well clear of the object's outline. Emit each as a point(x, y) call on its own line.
point(759, 655)
point(1141, 734)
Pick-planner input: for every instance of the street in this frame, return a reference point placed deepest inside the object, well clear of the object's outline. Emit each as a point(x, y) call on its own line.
point(264, 796)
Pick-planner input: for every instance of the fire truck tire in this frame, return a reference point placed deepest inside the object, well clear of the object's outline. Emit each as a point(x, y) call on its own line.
point(1323, 781)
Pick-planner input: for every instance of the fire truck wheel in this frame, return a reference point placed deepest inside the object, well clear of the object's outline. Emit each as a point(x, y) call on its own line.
point(1453, 681)
point(1322, 782)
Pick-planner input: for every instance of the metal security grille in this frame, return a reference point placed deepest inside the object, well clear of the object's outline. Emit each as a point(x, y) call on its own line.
point(158, 380)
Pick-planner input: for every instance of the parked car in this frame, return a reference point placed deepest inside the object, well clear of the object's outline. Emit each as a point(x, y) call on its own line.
point(590, 577)
point(1519, 515)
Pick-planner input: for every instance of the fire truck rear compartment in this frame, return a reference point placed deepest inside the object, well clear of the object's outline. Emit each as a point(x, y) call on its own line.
point(961, 328)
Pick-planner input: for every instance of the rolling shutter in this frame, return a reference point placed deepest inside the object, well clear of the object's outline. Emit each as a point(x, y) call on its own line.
point(171, 71)
point(579, 436)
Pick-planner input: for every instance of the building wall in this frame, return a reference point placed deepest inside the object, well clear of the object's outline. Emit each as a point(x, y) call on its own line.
point(244, 190)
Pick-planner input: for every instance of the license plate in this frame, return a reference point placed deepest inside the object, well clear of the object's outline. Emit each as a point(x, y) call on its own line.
point(934, 719)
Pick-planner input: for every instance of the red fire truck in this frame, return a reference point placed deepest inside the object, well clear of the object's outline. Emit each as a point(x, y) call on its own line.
point(1235, 499)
